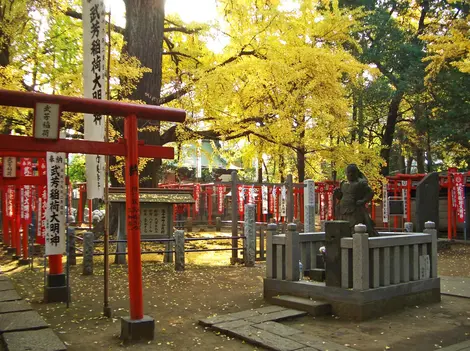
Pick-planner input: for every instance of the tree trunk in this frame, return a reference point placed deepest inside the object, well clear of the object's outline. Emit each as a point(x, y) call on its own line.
point(387, 139)
point(420, 160)
point(260, 169)
point(360, 119)
point(409, 164)
point(301, 165)
point(144, 39)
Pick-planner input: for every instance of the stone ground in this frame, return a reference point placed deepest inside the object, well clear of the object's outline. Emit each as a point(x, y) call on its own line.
point(211, 287)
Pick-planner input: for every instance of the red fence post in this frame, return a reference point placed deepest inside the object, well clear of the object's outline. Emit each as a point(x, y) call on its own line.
point(5, 220)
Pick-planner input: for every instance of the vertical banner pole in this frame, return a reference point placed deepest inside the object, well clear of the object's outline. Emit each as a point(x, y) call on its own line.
point(106, 308)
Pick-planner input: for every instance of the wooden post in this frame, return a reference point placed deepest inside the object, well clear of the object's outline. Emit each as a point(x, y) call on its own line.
point(133, 219)
point(292, 253)
point(234, 257)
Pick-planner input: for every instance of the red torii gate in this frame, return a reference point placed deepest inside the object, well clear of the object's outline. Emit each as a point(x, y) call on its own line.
point(15, 240)
point(137, 326)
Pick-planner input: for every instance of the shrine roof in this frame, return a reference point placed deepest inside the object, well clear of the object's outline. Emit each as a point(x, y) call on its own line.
point(154, 196)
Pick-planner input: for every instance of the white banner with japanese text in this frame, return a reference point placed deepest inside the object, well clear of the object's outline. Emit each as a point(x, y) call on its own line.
point(94, 72)
point(264, 196)
point(459, 181)
point(55, 227)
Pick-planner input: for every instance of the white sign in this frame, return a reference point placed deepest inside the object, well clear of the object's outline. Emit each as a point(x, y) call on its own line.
point(404, 193)
point(94, 45)
point(385, 202)
point(154, 220)
point(309, 193)
point(264, 196)
point(46, 121)
point(9, 167)
point(55, 227)
point(283, 202)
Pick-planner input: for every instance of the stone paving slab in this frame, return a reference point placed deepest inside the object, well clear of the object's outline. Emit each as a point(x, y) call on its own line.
point(14, 306)
point(266, 339)
point(228, 326)
point(463, 346)
point(455, 286)
point(318, 343)
point(216, 320)
point(270, 309)
point(37, 340)
point(276, 316)
point(19, 321)
point(6, 285)
point(9, 295)
point(277, 328)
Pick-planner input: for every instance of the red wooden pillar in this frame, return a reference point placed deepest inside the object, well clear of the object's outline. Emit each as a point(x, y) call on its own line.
point(17, 221)
point(5, 219)
point(408, 200)
point(55, 264)
point(209, 203)
point(449, 206)
point(133, 219)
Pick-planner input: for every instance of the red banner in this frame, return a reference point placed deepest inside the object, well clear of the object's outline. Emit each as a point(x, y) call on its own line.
point(26, 171)
point(322, 211)
point(271, 201)
point(197, 194)
point(330, 202)
point(241, 199)
point(460, 196)
point(220, 198)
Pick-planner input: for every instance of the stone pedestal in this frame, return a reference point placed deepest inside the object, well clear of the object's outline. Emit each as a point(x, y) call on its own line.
point(56, 289)
point(218, 224)
point(137, 330)
point(334, 232)
point(24, 261)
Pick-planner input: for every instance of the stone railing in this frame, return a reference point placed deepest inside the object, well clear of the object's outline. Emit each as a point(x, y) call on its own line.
point(284, 251)
point(395, 258)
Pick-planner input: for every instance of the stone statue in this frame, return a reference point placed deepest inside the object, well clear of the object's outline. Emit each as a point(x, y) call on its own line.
point(353, 195)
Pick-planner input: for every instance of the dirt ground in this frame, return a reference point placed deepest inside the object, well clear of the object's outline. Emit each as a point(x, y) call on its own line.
point(210, 286)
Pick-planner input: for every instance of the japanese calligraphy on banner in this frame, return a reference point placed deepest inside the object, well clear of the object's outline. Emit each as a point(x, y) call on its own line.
point(275, 201)
point(94, 45)
point(197, 194)
point(385, 202)
point(264, 197)
point(10, 200)
point(42, 204)
point(241, 199)
point(330, 202)
point(27, 171)
point(459, 180)
point(220, 198)
point(252, 195)
point(283, 202)
point(9, 167)
point(404, 194)
point(321, 190)
point(272, 197)
point(55, 228)
point(46, 121)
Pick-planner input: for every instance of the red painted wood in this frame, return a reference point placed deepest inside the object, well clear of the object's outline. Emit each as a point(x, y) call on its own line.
point(133, 220)
point(29, 144)
point(92, 106)
point(30, 180)
point(55, 264)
